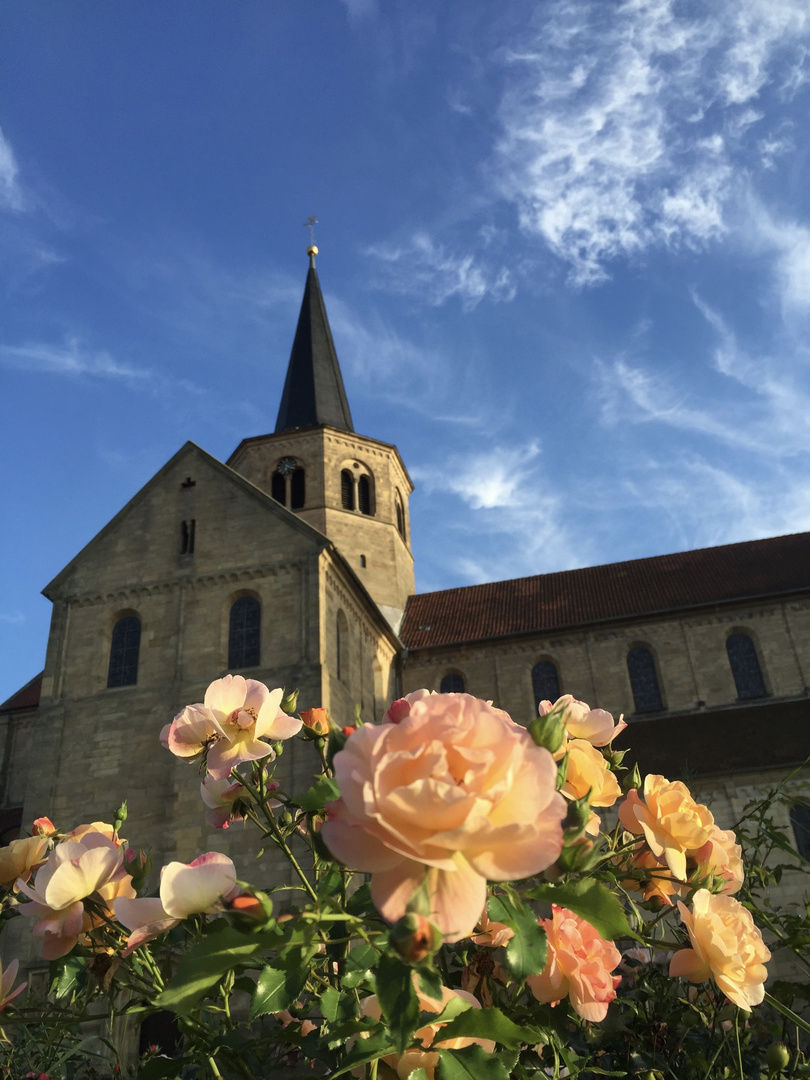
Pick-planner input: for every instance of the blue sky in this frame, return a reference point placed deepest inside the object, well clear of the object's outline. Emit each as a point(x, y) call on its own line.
point(565, 249)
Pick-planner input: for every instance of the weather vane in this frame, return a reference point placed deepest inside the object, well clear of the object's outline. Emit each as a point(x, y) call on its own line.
point(310, 223)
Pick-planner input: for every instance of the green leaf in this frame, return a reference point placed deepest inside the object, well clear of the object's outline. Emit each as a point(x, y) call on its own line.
point(398, 1000)
point(430, 983)
point(470, 1063)
point(591, 901)
point(72, 977)
point(277, 989)
point(375, 1046)
point(330, 1000)
point(359, 903)
point(490, 1024)
point(324, 790)
point(207, 962)
point(526, 951)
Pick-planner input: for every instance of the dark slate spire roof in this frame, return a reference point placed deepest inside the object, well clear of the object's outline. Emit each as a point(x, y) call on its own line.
point(313, 390)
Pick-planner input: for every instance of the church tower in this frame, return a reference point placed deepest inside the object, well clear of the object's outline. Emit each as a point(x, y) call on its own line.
point(349, 487)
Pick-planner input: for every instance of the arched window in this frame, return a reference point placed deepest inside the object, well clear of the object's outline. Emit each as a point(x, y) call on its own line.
point(342, 641)
point(244, 633)
point(545, 682)
point(346, 490)
point(800, 820)
point(644, 680)
point(400, 517)
point(124, 649)
point(364, 494)
point(742, 655)
point(452, 683)
point(278, 488)
point(297, 489)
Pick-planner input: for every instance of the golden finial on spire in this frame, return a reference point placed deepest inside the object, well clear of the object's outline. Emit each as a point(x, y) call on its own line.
point(312, 250)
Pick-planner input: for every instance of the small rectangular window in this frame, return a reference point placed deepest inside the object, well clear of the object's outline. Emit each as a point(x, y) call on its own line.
point(187, 529)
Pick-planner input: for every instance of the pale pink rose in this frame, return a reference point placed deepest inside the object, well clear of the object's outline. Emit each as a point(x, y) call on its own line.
point(193, 888)
point(245, 713)
point(670, 819)
point(578, 966)
point(399, 709)
point(73, 871)
point(219, 796)
point(722, 855)
point(726, 946)
point(427, 1056)
point(190, 732)
point(588, 772)
point(7, 978)
point(597, 726)
point(21, 857)
point(453, 794)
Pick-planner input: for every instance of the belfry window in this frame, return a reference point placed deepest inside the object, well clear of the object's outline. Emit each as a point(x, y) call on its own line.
point(187, 530)
point(742, 655)
point(452, 683)
point(346, 490)
point(364, 494)
point(644, 680)
point(342, 646)
point(400, 516)
point(288, 484)
point(545, 682)
point(124, 650)
point(244, 633)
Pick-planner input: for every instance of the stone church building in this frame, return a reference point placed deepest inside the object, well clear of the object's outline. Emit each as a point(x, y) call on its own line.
point(291, 563)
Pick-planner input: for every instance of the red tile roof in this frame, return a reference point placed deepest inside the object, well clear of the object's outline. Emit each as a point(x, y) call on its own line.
point(689, 579)
point(26, 698)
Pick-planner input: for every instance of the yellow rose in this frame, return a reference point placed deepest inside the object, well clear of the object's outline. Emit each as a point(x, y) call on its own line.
point(726, 946)
point(588, 771)
point(21, 857)
point(670, 819)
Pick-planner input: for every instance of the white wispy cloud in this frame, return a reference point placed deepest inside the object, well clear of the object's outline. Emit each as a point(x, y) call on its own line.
point(11, 196)
point(13, 618)
point(69, 359)
point(426, 268)
point(500, 516)
point(625, 125)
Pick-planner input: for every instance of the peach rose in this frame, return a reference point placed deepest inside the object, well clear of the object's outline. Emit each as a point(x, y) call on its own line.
point(726, 946)
point(21, 857)
point(670, 819)
point(659, 883)
point(578, 966)
point(428, 1056)
point(316, 720)
point(453, 794)
point(721, 855)
point(588, 772)
point(582, 722)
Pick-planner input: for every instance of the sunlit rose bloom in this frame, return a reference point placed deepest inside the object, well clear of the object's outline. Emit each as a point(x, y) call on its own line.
point(401, 708)
point(219, 796)
point(20, 858)
point(7, 978)
point(596, 726)
point(190, 732)
point(427, 1056)
point(245, 713)
point(588, 772)
point(453, 794)
point(99, 828)
point(670, 819)
point(74, 870)
point(193, 888)
point(578, 966)
point(726, 946)
point(722, 855)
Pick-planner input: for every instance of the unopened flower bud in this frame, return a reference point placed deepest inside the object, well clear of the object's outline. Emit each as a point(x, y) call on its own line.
point(548, 731)
point(415, 937)
point(120, 816)
point(43, 826)
point(777, 1058)
point(289, 703)
point(255, 907)
point(632, 780)
point(316, 721)
point(578, 816)
point(349, 730)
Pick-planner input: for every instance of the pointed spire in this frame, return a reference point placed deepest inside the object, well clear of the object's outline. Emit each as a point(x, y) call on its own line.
point(313, 390)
